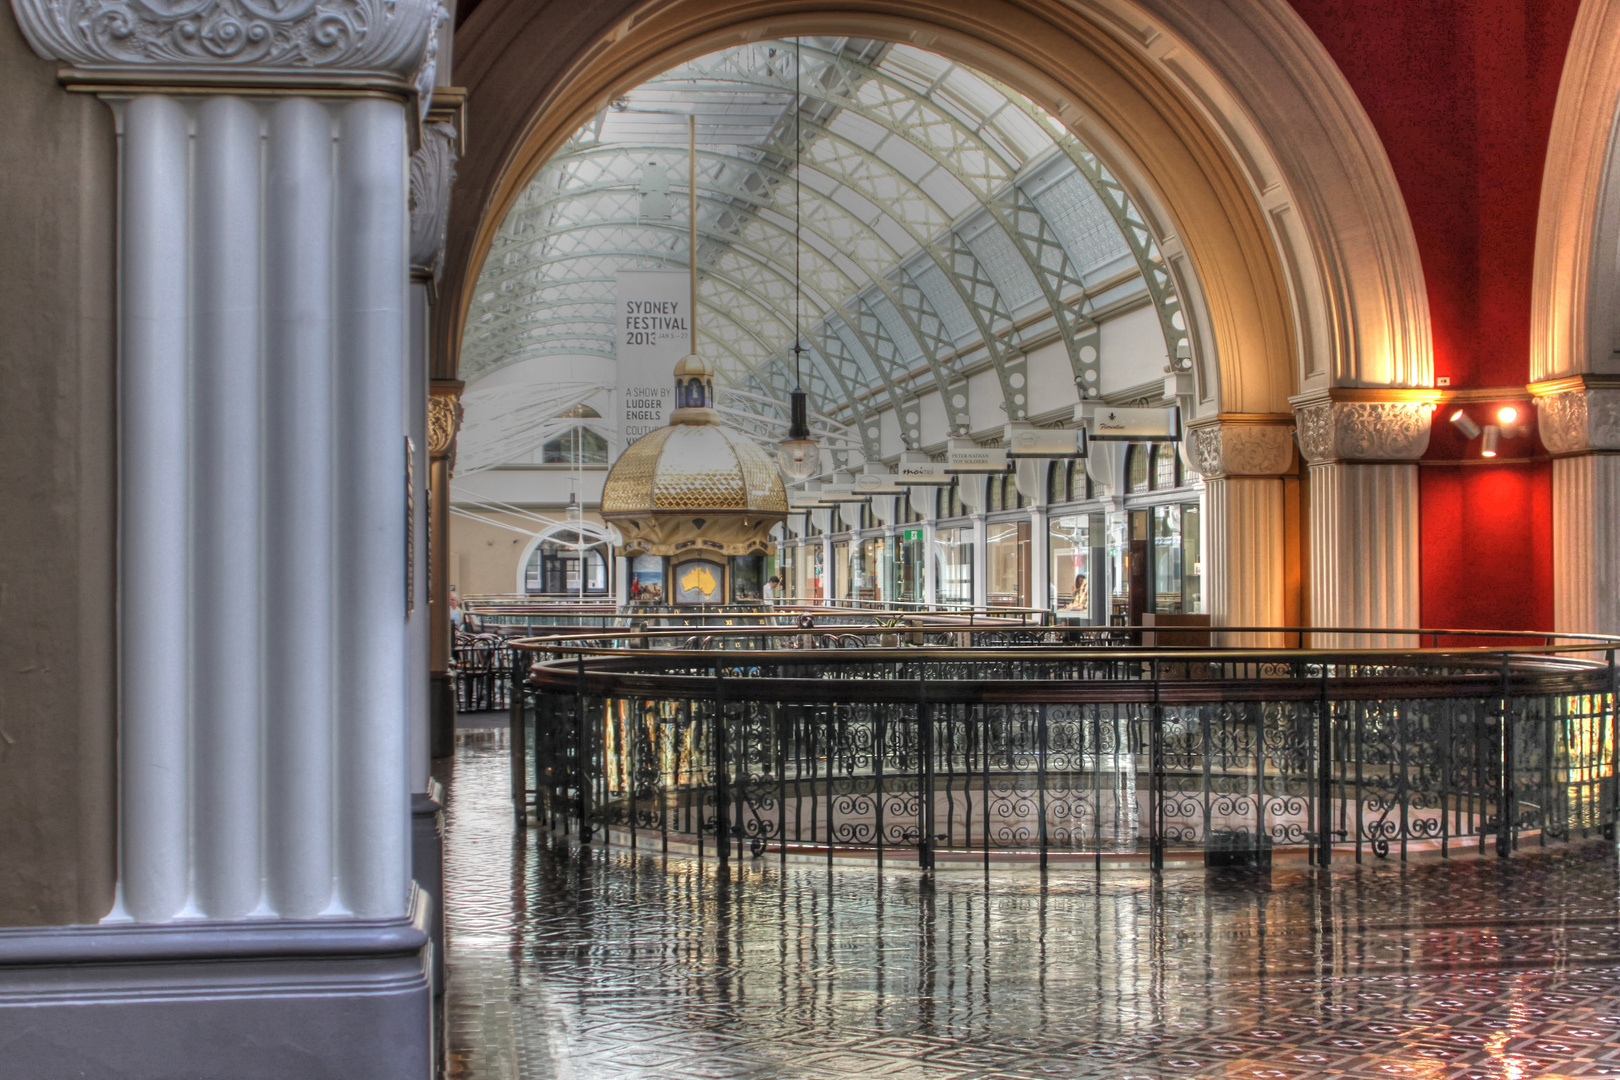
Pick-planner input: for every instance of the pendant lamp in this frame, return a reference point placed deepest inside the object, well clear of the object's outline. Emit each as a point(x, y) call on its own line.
point(797, 455)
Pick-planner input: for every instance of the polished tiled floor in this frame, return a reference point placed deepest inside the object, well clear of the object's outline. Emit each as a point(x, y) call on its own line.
point(591, 963)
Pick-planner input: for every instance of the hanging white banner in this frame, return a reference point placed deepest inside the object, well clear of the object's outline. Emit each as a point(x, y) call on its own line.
point(655, 331)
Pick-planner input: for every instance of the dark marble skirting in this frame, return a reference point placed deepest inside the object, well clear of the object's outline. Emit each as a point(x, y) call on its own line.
point(348, 999)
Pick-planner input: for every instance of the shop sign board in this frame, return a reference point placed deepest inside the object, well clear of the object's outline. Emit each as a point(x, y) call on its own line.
point(841, 493)
point(1045, 442)
point(922, 473)
point(976, 459)
point(1132, 425)
point(654, 332)
point(879, 484)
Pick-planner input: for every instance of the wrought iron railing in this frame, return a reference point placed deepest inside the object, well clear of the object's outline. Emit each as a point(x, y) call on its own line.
point(483, 658)
point(971, 750)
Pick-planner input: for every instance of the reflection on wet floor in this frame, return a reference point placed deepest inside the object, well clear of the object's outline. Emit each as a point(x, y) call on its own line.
point(592, 963)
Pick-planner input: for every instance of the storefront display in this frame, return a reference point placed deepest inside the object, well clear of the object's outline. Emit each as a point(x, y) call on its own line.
point(1006, 561)
point(1077, 570)
point(953, 565)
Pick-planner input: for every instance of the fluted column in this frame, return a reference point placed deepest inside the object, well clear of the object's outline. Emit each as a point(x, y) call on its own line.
point(1579, 420)
point(227, 389)
point(155, 500)
point(1243, 462)
point(263, 508)
point(1364, 515)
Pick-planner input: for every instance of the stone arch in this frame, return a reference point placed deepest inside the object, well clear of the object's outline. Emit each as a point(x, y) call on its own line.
point(1242, 143)
point(1575, 324)
point(1238, 139)
point(1575, 321)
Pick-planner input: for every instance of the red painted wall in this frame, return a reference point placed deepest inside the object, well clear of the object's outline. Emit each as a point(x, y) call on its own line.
point(1461, 92)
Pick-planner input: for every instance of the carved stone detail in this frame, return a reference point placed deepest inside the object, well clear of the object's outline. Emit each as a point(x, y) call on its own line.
point(372, 38)
point(1243, 449)
point(1363, 430)
point(1580, 420)
point(444, 420)
point(433, 171)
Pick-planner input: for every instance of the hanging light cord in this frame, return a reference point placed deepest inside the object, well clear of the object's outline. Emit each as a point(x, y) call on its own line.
point(798, 280)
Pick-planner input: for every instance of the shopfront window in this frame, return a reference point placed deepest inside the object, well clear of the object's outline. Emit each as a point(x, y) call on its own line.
point(873, 564)
point(810, 571)
point(953, 565)
point(841, 568)
point(1007, 563)
point(1072, 577)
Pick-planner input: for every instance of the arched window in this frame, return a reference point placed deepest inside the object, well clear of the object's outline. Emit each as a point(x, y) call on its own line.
point(1137, 475)
point(1057, 482)
point(554, 567)
point(1011, 497)
point(579, 446)
point(1164, 467)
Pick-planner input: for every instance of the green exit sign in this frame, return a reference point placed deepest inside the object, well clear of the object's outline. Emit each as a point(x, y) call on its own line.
point(913, 536)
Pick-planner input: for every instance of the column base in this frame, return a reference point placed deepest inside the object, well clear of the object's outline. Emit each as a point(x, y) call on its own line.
point(442, 700)
point(338, 998)
point(427, 868)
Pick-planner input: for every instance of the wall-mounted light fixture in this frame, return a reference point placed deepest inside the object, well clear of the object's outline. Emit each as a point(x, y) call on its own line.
point(1465, 424)
point(1507, 417)
point(1487, 448)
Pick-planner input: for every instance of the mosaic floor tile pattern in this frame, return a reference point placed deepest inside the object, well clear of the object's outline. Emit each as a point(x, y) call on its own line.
point(593, 964)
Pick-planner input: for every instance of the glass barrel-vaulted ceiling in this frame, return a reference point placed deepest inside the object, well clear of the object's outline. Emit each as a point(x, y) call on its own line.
point(946, 221)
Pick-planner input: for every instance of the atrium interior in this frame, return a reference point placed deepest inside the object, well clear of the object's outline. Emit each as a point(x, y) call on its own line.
point(935, 539)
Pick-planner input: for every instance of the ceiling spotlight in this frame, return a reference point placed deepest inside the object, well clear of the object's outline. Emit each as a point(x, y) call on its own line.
point(1465, 424)
point(1488, 447)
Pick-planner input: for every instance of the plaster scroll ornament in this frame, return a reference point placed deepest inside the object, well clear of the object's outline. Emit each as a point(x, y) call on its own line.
point(433, 172)
point(1580, 420)
point(1225, 449)
point(1363, 430)
point(300, 40)
point(444, 419)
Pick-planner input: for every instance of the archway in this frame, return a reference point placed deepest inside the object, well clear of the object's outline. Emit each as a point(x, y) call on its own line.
point(1574, 329)
point(1262, 184)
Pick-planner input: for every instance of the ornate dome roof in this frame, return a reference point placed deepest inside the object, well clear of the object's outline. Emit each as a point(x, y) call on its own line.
point(693, 467)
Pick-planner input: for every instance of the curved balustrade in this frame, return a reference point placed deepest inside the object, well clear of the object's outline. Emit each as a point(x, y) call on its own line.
point(957, 745)
point(483, 658)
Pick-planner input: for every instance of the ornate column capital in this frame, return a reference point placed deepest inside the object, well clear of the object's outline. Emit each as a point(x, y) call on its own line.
point(1242, 444)
point(444, 418)
point(236, 42)
point(1394, 426)
point(1580, 414)
point(433, 171)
